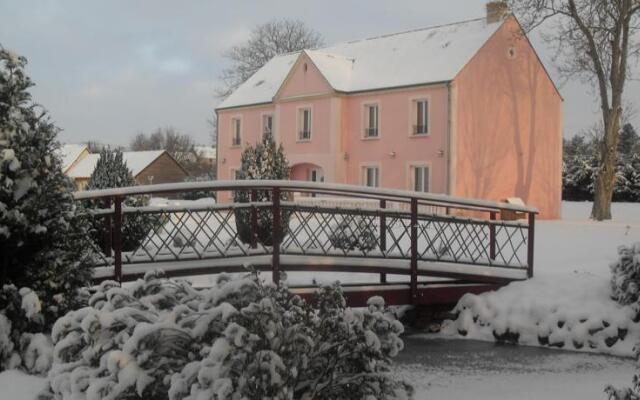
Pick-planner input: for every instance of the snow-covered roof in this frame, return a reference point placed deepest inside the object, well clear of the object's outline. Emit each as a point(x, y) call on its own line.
point(421, 56)
point(208, 152)
point(136, 161)
point(69, 153)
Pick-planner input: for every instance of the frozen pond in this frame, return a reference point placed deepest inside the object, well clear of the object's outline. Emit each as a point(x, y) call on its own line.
point(467, 369)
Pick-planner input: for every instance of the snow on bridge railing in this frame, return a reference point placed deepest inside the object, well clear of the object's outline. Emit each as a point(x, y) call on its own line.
point(195, 233)
point(307, 187)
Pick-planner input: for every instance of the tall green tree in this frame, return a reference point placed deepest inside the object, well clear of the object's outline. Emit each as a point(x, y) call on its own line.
point(111, 171)
point(41, 243)
point(265, 160)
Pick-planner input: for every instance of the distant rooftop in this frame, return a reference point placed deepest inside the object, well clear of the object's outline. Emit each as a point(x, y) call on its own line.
point(416, 57)
point(136, 161)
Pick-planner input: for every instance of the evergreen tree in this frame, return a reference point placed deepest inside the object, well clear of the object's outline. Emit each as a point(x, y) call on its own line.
point(111, 171)
point(264, 161)
point(580, 163)
point(40, 234)
point(629, 142)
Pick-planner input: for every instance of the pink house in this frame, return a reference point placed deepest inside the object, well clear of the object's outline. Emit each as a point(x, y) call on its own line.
point(465, 109)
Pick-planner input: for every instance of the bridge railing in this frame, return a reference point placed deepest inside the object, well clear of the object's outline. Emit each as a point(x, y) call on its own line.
point(428, 234)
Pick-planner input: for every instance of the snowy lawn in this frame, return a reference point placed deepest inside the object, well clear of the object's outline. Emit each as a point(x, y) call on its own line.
point(567, 302)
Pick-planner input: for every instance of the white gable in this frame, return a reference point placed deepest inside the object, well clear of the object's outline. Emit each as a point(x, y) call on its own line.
point(136, 161)
point(416, 57)
point(69, 153)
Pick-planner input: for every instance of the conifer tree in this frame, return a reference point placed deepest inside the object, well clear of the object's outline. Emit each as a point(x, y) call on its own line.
point(41, 243)
point(265, 160)
point(111, 171)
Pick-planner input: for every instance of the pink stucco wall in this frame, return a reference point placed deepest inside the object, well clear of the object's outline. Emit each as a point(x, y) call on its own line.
point(507, 132)
point(396, 148)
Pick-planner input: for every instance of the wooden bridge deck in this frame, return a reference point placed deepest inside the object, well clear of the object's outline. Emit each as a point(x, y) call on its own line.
point(425, 248)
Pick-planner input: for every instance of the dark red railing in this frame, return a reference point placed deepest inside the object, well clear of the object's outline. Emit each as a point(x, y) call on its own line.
point(402, 233)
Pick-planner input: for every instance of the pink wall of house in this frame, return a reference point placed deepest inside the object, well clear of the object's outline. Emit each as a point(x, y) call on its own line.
point(507, 129)
point(251, 132)
point(396, 149)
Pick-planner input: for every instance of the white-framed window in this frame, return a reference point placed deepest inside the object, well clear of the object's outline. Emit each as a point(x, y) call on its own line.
point(371, 120)
point(420, 178)
point(371, 176)
point(234, 173)
point(304, 124)
point(421, 120)
point(236, 132)
point(267, 123)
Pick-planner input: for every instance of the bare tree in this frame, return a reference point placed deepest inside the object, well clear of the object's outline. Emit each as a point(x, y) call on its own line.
point(596, 43)
point(266, 41)
point(180, 146)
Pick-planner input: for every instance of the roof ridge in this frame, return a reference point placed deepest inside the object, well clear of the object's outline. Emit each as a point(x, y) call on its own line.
point(403, 32)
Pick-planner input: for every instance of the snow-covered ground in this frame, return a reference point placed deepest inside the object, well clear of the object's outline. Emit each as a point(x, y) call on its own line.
point(16, 385)
point(568, 299)
point(457, 369)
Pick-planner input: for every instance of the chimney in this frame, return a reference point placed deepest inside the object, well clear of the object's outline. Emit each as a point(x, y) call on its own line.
point(496, 11)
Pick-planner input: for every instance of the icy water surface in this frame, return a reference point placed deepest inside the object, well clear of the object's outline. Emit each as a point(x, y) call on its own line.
point(467, 369)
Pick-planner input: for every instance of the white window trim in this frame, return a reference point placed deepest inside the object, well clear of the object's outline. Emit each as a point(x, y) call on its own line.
point(233, 118)
point(365, 119)
point(411, 165)
point(273, 121)
point(413, 116)
point(232, 173)
point(299, 123)
point(363, 180)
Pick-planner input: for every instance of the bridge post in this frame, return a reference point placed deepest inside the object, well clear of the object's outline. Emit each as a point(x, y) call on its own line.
point(107, 234)
point(276, 235)
point(383, 235)
point(492, 236)
point(254, 219)
point(117, 239)
point(530, 236)
point(414, 249)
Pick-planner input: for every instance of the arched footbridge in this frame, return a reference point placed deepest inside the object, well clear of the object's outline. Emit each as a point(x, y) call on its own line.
point(408, 247)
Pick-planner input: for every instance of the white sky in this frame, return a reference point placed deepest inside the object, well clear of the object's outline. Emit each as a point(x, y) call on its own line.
point(108, 69)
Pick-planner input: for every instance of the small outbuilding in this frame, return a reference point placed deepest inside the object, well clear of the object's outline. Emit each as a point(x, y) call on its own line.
point(147, 167)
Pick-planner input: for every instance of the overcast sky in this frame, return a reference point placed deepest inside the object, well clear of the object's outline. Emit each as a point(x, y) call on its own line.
point(109, 69)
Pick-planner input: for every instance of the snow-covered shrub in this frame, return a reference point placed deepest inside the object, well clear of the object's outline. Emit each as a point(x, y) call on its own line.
point(625, 274)
point(534, 313)
point(111, 171)
point(40, 246)
point(265, 160)
point(18, 347)
point(161, 339)
point(354, 234)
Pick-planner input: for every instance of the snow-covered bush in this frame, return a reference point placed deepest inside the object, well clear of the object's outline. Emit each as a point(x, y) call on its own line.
point(19, 348)
point(111, 171)
point(161, 339)
point(353, 234)
point(40, 236)
point(534, 313)
point(625, 275)
point(265, 160)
